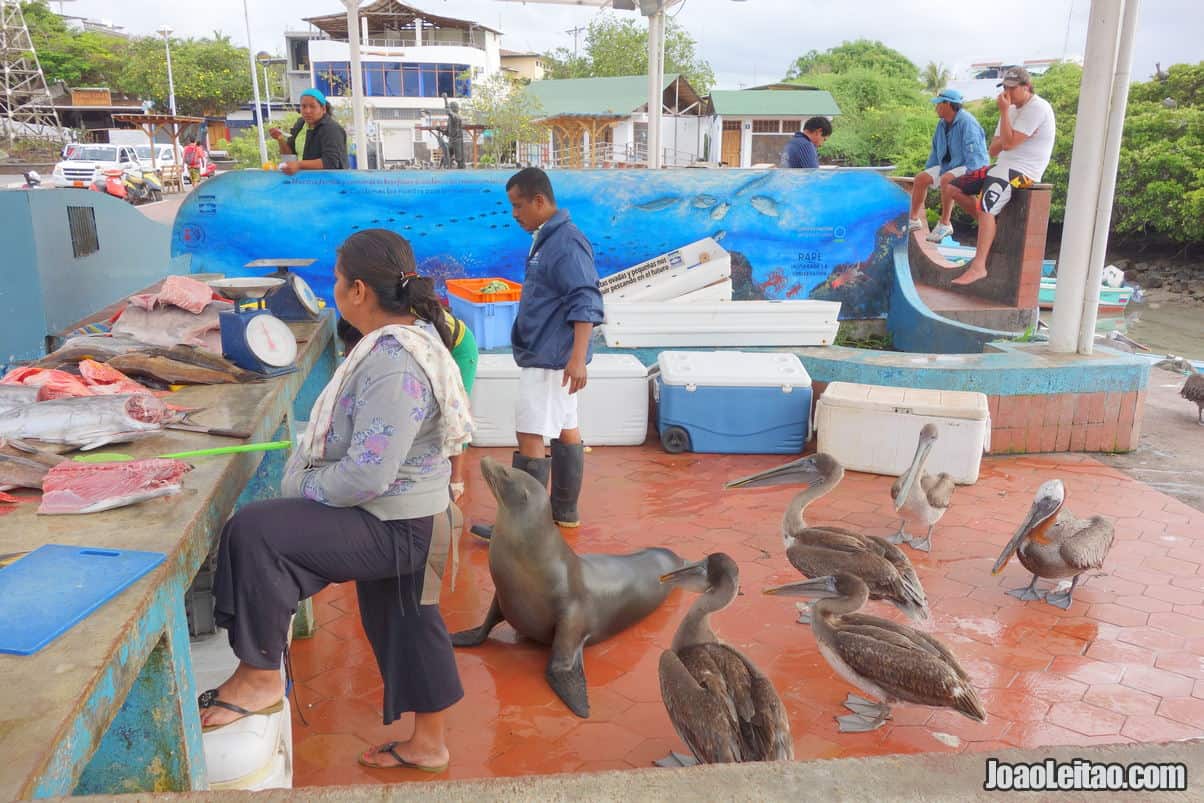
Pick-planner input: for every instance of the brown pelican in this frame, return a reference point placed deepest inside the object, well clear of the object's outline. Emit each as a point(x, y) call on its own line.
point(890, 661)
point(721, 705)
point(819, 551)
point(1193, 390)
point(1053, 544)
point(920, 494)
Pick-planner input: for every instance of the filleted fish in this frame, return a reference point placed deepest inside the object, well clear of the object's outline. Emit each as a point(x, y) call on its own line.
point(86, 422)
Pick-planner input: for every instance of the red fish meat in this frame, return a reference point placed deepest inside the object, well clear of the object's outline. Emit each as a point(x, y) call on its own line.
point(105, 380)
point(72, 487)
point(51, 383)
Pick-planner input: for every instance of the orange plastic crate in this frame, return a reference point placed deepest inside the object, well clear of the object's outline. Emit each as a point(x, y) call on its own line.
point(470, 290)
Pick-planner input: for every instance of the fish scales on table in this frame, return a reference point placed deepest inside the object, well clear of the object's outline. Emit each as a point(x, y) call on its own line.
point(86, 422)
point(73, 488)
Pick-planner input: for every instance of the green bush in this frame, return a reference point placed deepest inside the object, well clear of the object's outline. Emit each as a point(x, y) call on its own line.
point(244, 148)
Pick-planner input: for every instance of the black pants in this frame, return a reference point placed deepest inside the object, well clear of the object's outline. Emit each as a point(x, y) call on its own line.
point(275, 553)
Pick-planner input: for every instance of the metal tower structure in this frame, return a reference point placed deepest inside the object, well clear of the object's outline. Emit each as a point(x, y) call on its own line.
point(28, 110)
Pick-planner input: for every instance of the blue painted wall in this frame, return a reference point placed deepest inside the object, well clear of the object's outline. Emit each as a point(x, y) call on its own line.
point(793, 233)
point(45, 288)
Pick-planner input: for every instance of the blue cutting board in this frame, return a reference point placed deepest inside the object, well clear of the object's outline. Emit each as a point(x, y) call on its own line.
point(52, 588)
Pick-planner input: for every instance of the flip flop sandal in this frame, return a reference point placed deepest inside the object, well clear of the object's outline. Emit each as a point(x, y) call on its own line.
point(209, 699)
point(457, 490)
point(391, 749)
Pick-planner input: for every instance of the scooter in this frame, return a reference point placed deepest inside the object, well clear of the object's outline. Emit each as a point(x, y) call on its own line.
point(142, 186)
point(32, 180)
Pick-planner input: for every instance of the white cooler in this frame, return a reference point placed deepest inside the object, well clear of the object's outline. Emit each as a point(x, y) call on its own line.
point(721, 323)
point(670, 275)
point(613, 407)
point(876, 429)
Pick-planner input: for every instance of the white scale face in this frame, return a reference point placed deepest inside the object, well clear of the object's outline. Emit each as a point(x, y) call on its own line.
point(271, 341)
point(306, 295)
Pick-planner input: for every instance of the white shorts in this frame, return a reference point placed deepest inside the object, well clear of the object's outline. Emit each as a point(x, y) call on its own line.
point(935, 173)
point(544, 405)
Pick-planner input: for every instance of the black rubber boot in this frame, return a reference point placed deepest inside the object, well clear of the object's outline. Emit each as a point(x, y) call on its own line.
point(568, 468)
point(537, 467)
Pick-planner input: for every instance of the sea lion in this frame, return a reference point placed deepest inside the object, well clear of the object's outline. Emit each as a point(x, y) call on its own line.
point(551, 594)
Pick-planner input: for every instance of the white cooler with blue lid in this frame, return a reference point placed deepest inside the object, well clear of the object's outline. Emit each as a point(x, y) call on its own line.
point(874, 428)
point(733, 402)
point(612, 409)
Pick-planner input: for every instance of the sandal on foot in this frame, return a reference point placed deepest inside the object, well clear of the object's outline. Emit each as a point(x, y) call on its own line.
point(209, 699)
point(391, 749)
point(457, 490)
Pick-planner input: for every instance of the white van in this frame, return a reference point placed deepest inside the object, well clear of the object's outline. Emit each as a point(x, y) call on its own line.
point(88, 161)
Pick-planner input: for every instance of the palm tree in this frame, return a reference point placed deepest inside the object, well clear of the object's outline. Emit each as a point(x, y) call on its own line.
point(935, 76)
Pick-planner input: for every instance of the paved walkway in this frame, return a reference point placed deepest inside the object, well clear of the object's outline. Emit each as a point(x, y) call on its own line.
point(1122, 665)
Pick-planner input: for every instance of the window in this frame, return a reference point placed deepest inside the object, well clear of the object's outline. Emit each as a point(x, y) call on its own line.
point(333, 77)
point(731, 125)
point(411, 83)
point(82, 222)
point(767, 126)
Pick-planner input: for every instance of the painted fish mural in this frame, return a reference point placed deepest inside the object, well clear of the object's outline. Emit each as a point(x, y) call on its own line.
point(792, 233)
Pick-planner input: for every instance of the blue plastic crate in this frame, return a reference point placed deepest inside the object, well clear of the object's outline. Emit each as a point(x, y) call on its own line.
point(490, 323)
point(733, 402)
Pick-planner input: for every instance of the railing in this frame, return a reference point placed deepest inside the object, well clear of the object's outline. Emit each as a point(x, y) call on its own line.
point(476, 41)
point(603, 154)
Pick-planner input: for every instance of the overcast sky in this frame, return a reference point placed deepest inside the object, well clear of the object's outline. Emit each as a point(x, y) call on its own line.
point(746, 42)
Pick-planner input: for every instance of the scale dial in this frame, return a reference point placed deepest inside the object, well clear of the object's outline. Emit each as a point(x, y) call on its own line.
point(271, 341)
point(306, 295)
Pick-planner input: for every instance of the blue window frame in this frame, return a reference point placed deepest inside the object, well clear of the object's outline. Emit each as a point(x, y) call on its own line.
point(333, 77)
point(395, 79)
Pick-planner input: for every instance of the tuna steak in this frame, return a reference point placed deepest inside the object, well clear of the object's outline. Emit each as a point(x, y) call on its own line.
point(73, 487)
point(86, 422)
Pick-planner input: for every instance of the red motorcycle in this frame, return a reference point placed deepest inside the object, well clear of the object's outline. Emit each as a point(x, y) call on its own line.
point(111, 182)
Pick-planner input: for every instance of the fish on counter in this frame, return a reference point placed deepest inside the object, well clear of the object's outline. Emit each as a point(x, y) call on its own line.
point(170, 371)
point(16, 396)
point(86, 422)
point(106, 349)
point(105, 380)
point(75, 488)
point(100, 348)
point(47, 383)
point(22, 466)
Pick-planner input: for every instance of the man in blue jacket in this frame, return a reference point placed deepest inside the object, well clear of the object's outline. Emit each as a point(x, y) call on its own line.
point(803, 148)
point(958, 145)
point(560, 306)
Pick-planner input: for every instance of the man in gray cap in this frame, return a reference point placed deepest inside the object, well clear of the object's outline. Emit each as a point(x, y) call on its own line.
point(1022, 145)
point(958, 145)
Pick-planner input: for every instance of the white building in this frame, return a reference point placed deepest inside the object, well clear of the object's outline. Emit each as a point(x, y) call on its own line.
point(410, 60)
point(752, 126)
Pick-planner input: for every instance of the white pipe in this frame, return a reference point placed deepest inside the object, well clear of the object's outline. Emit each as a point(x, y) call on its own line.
point(1107, 191)
point(357, 84)
point(263, 144)
point(1082, 195)
point(655, 22)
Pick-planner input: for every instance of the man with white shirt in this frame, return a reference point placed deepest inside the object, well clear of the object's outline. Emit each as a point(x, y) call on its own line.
point(1022, 145)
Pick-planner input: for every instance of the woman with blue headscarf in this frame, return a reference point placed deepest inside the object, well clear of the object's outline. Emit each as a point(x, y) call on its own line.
point(317, 140)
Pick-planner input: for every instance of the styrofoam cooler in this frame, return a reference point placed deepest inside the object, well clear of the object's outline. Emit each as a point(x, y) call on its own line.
point(719, 291)
point(733, 402)
point(613, 408)
point(875, 429)
point(721, 323)
point(676, 273)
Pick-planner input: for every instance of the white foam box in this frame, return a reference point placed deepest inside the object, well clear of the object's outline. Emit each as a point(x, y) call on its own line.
point(721, 323)
point(613, 408)
point(875, 429)
point(670, 275)
point(719, 291)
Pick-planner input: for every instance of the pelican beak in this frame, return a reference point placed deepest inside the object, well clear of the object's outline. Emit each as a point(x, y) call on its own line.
point(1042, 508)
point(687, 576)
point(923, 448)
point(799, 472)
point(819, 588)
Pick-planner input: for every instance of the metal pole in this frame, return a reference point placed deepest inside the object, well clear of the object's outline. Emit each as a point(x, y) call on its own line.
point(1082, 195)
point(654, 92)
point(171, 84)
point(263, 145)
point(357, 84)
point(267, 90)
point(1107, 190)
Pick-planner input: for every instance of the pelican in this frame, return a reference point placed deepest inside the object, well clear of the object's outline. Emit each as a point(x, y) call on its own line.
point(1053, 544)
point(819, 551)
point(721, 705)
point(920, 494)
point(890, 661)
point(1193, 391)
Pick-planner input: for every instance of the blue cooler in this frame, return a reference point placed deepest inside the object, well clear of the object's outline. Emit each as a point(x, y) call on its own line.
point(733, 402)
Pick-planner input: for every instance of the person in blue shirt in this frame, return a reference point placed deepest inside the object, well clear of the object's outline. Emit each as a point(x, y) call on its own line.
point(803, 148)
point(958, 145)
point(559, 308)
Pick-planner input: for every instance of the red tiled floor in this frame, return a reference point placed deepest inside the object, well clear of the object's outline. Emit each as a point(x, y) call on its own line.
point(1124, 663)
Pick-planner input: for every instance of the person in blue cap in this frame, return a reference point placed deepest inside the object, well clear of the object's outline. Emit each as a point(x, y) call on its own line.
point(958, 145)
point(317, 140)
